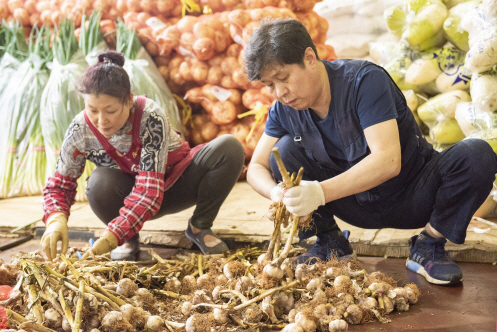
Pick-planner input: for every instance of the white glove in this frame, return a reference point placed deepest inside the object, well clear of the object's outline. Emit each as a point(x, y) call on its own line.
point(304, 198)
point(277, 192)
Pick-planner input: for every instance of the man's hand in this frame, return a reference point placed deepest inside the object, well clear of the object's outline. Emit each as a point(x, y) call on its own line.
point(304, 198)
point(277, 192)
point(56, 231)
point(105, 244)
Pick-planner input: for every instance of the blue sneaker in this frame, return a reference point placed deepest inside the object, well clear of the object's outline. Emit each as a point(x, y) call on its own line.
point(429, 258)
point(334, 243)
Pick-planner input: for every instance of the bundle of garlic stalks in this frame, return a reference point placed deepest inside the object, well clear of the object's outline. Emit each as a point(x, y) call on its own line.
point(252, 289)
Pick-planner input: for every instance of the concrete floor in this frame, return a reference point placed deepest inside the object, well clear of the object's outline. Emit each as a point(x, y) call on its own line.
point(470, 307)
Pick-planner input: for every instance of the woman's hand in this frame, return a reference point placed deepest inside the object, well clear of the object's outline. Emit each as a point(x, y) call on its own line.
point(105, 244)
point(56, 231)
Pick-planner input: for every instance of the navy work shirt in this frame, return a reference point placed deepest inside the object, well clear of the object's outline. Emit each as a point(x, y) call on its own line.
point(376, 99)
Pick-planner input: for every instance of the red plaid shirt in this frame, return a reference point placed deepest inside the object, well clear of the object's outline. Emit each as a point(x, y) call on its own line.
point(139, 206)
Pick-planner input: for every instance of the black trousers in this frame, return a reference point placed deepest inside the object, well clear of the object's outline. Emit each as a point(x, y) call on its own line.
point(445, 193)
point(206, 183)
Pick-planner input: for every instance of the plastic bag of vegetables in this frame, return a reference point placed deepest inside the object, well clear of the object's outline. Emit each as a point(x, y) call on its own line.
point(476, 123)
point(15, 52)
point(441, 70)
point(484, 89)
point(481, 24)
point(395, 58)
point(13, 49)
point(60, 101)
point(419, 22)
point(472, 119)
point(438, 113)
point(91, 42)
point(452, 25)
point(144, 76)
point(452, 3)
point(29, 177)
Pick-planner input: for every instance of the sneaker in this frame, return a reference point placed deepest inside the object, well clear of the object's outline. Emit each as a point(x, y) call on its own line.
point(429, 258)
point(128, 251)
point(334, 243)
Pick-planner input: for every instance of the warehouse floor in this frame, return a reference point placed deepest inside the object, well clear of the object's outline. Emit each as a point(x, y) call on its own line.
point(470, 307)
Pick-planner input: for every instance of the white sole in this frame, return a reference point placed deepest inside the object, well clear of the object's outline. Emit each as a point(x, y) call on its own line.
point(415, 267)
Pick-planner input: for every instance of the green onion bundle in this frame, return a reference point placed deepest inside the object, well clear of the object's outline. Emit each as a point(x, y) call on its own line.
point(61, 101)
point(91, 43)
point(15, 51)
point(91, 40)
point(29, 176)
point(144, 75)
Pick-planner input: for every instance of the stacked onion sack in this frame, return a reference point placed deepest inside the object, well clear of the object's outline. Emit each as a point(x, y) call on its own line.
point(201, 58)
point(249, 289)
point(49, 12)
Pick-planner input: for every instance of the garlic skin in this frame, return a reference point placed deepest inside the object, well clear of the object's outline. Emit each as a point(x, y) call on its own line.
point(342, 283)
point(285, 301)
point(320, 296)
point(369, 303)
point(204, 281)
point(189, 283)
point(220, 280)
point(127, 310)
point(264, 259)
point(273, 272)
point(220, 316)
point(126, 287)
point(216, 293)
point(253, 313)
point(244, 284)
point(155, 323)
point(65, 325)
point(338, 325)
point(354, 314)
point(334, 272)
point(186, 308)
point(388, 303)
point(315, 284)
point(306, 323)
point(190, 324)
point(291, 315)
point(293, 327)
point(346, 299)
point(173, 285)
point(320, 311)
point(53, 318)
point(302, 271)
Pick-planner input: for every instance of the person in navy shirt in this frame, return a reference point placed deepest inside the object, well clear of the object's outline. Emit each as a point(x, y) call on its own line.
point(365, 159)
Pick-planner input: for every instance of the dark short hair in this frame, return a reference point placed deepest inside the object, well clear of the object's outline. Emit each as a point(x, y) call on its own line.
point(280, 41)
point(107, 77)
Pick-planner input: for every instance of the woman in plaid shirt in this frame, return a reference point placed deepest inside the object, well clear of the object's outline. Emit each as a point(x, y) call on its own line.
point(144, 169)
